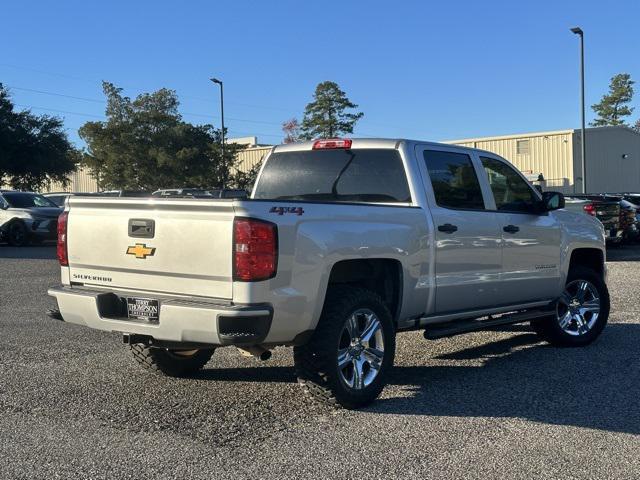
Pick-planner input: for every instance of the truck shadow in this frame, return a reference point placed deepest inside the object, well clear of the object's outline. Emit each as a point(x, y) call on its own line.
point(46, 251)
point(623, 253)
point(593, 387)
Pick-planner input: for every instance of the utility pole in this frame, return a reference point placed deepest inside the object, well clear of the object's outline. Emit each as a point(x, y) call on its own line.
point(583, 141)
point(224, 171)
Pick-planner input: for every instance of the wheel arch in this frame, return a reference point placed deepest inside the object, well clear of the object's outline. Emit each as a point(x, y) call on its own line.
point(592, 258)
point(380, 275)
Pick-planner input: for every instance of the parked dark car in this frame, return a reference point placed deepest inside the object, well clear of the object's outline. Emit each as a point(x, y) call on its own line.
point(630, 220)
point(180, 192)
point(630, 205)
point(27, 217)
point(201, 193)
point(607, 206)
point(604, 208)
point(125, 193)
point(229, 193)
point(60, 197)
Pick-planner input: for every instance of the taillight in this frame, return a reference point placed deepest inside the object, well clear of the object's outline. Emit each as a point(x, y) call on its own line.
point(590, 209)
point(331, 144)
point(255, 249)
point(62, 239)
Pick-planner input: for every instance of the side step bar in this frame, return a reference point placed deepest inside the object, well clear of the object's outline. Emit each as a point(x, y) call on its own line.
point(459, 327)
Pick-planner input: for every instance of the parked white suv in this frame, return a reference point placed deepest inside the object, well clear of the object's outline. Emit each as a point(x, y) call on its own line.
point(342, 244)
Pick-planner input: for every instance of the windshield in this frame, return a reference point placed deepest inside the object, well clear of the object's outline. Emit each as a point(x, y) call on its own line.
point(27, 200)
point(358, 175)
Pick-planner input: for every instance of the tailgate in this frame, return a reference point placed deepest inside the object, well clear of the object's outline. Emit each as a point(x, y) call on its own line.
point(178, 246)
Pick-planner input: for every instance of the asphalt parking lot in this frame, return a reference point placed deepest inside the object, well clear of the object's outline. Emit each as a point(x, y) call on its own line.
point(73, 404)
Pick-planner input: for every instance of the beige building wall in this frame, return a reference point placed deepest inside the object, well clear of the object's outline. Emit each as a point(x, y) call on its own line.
point(79, 181)
point(549, 153)
point(250, 157)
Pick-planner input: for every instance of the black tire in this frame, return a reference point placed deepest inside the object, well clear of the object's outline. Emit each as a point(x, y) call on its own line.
point(17, 234)
point(170, 362)
point(316, 362)
point(549, 329)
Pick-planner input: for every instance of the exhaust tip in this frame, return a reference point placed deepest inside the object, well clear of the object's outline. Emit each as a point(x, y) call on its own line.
point(55, 314)
point(266, 355)
point(255, 351)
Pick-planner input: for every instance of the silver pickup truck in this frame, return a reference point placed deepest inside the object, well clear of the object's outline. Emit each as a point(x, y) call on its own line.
point(341, 245)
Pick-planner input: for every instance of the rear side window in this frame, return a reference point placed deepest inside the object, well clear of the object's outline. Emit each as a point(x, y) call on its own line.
point(454, 180)
point(358, 175)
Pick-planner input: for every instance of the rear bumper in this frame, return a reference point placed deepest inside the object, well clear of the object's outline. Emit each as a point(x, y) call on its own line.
point(192, 320)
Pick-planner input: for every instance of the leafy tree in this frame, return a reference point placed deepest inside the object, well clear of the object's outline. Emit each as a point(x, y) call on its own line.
point(144, 144)
point(34, 150)
point(636, 126)
point(291, 129)
point(245, 180)
point(327, 115)
point(614, 106)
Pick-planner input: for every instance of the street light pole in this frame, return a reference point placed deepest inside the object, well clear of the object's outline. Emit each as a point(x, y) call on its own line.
point(583, 144)
point(224, 171)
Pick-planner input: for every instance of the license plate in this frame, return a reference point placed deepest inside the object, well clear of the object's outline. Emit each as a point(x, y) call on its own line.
point(143, 309)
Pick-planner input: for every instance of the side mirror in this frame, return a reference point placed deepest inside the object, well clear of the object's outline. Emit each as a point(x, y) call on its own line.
point(552, 201)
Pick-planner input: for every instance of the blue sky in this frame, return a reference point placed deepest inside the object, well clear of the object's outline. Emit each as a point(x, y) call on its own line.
point(427, 70)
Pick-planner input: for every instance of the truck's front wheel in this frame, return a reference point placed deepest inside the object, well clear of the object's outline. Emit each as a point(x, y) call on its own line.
point(351, 352)
point(174, 363)
point(581, 312)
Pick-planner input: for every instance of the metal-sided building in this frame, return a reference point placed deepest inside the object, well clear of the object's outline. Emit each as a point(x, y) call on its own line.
point(613, 157)
point(252, 155)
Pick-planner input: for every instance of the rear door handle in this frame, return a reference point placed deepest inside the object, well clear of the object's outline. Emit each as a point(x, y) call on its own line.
point(447, 228)
point(511, 229)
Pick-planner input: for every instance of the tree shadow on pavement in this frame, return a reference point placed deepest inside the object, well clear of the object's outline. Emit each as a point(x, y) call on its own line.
point(592, 387)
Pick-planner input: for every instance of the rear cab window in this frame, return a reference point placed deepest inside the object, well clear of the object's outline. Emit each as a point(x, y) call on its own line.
point(358, 175)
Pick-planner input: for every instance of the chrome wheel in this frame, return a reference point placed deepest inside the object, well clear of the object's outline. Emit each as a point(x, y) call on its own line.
point(361, 349)
point(578, 307)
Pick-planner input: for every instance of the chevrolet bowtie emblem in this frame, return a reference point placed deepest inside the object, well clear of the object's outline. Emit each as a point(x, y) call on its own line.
point(140, 250)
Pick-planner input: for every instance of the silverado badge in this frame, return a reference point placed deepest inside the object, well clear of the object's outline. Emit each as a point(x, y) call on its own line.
point(140, 250)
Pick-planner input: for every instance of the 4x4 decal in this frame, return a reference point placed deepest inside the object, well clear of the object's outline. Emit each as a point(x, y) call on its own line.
point(283, 210)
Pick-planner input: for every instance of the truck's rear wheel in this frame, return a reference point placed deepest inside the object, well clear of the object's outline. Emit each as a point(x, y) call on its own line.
point(346, 362)
point(174, 363)
point(581, 312)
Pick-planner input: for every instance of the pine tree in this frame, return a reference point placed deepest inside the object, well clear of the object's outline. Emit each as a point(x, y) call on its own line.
point(614, 106)
point(327, 115)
